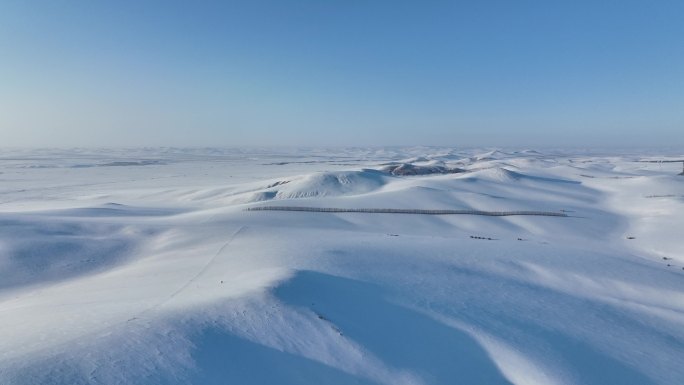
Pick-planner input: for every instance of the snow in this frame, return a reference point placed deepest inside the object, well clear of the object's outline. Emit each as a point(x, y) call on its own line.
point(124, 266)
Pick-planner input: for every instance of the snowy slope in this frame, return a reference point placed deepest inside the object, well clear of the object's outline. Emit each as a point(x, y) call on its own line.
point(137, 266)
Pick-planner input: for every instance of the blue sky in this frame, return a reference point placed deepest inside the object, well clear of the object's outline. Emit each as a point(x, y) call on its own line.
point(228, 73)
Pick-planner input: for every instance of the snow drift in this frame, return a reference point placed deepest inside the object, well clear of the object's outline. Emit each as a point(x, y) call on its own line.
point(161, 275)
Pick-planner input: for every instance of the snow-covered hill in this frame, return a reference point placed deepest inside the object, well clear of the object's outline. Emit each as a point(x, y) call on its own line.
point(143, 266)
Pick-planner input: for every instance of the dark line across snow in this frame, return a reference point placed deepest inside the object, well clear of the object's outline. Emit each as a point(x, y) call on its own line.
point(407, 211)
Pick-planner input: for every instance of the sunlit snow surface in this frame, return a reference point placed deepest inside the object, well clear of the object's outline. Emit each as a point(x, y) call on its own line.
point(143, 266)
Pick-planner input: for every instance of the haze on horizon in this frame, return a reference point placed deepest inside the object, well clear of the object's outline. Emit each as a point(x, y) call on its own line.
point(487, 73)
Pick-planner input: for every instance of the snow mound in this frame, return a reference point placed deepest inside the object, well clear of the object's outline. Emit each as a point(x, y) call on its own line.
point(491, 155)
point(333, 184)
point(261, 196)
point(416, 159)
point(504, 175)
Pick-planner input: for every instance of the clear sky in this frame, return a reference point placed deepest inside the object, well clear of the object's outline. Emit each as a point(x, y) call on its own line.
point(347, 72)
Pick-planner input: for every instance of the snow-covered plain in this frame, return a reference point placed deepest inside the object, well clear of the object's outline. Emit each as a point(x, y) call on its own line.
point(143, 266)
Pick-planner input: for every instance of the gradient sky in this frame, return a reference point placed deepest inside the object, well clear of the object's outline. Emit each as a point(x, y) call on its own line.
point(352, 72)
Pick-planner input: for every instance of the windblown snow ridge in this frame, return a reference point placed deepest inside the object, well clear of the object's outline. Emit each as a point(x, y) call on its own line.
point(407, 211)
